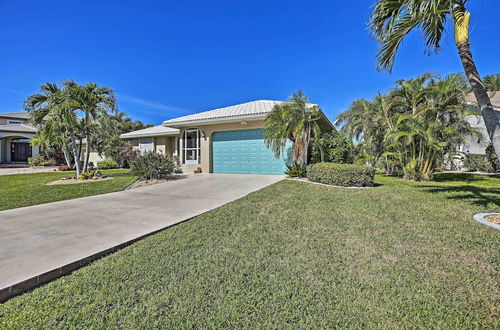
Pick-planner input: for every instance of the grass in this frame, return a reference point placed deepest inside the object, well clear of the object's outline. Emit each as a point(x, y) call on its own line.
point(20, 190)
point(400, 255)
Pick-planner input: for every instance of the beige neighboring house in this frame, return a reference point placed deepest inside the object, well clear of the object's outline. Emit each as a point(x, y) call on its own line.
point(225, 140)
point(15, 135)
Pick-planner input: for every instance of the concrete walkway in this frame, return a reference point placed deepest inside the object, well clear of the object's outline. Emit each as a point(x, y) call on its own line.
point(25, 170)
point(43, 238)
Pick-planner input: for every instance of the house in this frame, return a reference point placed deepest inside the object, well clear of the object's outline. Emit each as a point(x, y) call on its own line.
point(477, 144)
point(225, 140)
point(15, 134)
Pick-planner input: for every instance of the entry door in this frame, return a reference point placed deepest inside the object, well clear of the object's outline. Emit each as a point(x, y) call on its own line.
point(20, 151)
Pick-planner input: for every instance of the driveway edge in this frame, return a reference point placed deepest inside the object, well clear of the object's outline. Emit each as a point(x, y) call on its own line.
point(36, 281)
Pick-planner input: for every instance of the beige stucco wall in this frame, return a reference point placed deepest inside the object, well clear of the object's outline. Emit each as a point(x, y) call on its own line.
point(167, 144)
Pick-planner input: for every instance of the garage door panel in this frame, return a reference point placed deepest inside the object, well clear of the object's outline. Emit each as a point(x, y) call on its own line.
point(244, 151)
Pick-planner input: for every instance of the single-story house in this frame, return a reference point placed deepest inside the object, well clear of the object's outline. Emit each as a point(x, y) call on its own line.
point(15, 136)
point(225, 140)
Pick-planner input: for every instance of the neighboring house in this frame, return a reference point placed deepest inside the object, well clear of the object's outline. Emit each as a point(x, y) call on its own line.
point(15, 134)
point(478, 144)
point(474, 144)
point(225, 140)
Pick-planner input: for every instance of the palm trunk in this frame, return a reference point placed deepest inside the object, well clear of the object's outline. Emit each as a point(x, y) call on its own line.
point(87, 154)
point(67, 157)
point(461, 25)
point(76, 155)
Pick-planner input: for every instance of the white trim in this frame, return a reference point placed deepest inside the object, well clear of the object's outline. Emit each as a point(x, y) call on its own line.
point(196, 149)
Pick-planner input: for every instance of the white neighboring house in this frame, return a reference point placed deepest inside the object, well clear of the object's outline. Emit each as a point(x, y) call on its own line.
point(475, 144)
point(15, 136)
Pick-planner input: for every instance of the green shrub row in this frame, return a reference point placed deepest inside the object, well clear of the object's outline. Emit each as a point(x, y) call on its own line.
point(345, 175)
point(38, 161)
point(107, 164)
point(477, 163)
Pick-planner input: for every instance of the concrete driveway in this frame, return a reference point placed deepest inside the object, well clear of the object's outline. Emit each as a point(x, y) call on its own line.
point(41, 241)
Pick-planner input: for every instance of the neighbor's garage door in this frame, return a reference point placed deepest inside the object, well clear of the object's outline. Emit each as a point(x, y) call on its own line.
point(244, 151)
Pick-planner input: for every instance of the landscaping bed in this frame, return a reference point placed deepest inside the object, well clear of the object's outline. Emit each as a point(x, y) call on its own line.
point(401, 255)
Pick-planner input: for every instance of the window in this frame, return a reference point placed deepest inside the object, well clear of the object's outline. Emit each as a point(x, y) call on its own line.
point(191, 144)
point(14, 122)
point(146, 144)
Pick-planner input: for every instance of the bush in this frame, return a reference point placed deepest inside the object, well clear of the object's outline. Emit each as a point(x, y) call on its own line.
point(477, 163)
point(296, 170)
point(107, 164)
point(63, 168)
point(87, 175)
point(336, 147)
point(341, 174)
point(152, 165)
point(126, 155)
point(492, 158)
point(36, 161)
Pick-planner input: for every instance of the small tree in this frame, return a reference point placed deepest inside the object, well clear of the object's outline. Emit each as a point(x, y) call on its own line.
point(333, 147)
point(295, 120)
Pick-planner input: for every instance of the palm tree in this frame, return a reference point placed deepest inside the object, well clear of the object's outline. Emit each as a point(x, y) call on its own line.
point(295, 120)
point(391, 21)
point(53, 113)
point(94, 101)
point(492, 82)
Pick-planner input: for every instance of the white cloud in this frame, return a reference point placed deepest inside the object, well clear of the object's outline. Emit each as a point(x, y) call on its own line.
point(150, 105)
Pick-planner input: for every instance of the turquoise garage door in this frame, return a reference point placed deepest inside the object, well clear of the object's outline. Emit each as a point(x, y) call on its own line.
point(244, 151)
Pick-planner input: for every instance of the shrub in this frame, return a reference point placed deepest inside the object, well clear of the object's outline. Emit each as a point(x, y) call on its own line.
point(107, 164)
point(492, 158)
point(152, 165)
point(87, 175)
point(127, 155)
point(335, 146)
point(296, 170)
point(477, 163)
point(63, 168)
point(341, 174)
point(36, 161)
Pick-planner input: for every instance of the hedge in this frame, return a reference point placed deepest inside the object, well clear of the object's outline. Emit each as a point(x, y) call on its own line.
point(478, 163)
point(345, 175)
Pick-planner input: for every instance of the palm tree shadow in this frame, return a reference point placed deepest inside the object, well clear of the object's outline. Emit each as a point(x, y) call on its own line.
point(483, 197)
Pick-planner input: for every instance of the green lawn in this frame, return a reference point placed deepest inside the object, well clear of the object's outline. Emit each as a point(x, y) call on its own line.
point(402, 254)
point(30, 189)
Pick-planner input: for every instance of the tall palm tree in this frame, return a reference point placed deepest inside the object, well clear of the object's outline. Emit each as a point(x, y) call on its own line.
point(53, 113)
point(391, 21)
point(94, 101)
point(295, 120)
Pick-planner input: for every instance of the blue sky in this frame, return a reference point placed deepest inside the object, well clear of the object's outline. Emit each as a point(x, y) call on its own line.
point(166, 59)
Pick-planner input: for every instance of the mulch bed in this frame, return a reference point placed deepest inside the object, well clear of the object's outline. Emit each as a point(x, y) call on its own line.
point(73, 181)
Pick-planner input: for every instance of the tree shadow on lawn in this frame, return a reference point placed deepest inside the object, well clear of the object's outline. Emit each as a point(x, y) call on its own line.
point(474, 195)
point(467, 177)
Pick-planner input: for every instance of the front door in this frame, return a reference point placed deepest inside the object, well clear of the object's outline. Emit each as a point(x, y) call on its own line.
point(20, 151)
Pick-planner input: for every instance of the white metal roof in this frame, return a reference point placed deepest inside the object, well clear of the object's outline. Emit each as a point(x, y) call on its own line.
point(16, 115)
point(17, 128)
point(253, 109)
point(151, 131)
